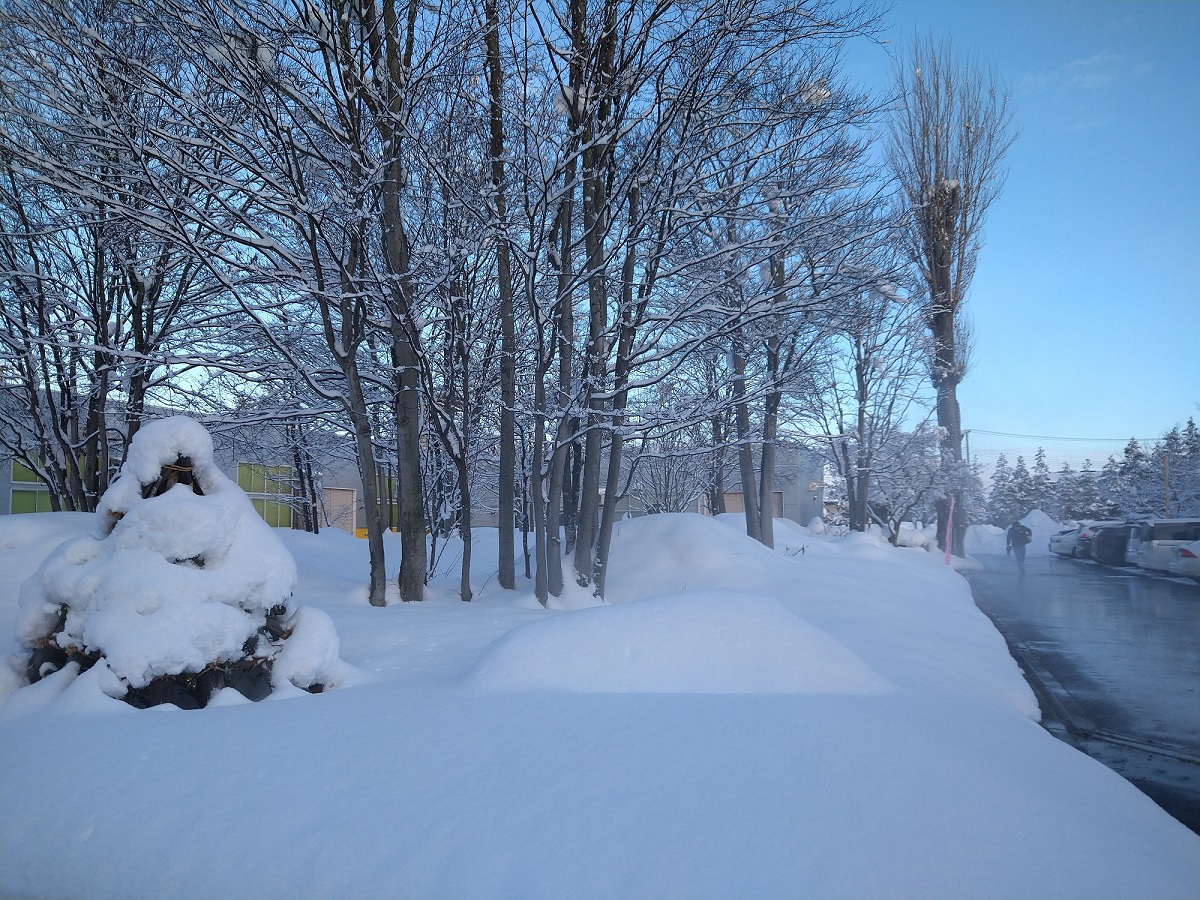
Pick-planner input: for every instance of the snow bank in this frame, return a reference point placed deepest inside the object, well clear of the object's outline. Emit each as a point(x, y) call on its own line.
point(310, 654)
point(985, 539)
point(694, 643)
point(896, 599)
point(1043, 528)
point(991, 539)
point(911, 536)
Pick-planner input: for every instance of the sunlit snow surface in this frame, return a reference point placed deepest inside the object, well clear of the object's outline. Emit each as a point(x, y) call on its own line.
point(829, 719)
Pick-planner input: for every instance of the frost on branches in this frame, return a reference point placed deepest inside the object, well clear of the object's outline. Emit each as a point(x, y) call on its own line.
point(182, 591)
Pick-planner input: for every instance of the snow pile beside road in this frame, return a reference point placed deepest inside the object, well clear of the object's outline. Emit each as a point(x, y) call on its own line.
point(1043, 527)
point(990, 539)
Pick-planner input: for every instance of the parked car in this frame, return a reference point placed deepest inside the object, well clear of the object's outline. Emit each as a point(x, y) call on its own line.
point(1152, 543)
point(1109, 543)
point(1083, 546)
point(1066, 542)
point(1186, 560)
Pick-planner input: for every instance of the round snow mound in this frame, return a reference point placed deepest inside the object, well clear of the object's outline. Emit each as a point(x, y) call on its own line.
point(695, 643)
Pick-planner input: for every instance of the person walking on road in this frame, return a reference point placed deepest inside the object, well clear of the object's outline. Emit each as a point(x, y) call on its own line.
point(1018, 537)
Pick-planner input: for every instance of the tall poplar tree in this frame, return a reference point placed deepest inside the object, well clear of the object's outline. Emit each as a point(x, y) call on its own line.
point(948, 140)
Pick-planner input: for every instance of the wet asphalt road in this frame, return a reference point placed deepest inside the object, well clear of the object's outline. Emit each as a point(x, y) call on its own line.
point(1114, 656)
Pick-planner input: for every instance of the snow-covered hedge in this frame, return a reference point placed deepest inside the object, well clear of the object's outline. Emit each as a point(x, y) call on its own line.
point(181, 590)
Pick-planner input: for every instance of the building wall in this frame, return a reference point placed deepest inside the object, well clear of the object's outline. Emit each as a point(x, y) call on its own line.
point(799, 487)
point(251, 457)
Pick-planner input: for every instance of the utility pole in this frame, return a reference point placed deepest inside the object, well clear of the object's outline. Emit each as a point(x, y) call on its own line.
point(1166, 486)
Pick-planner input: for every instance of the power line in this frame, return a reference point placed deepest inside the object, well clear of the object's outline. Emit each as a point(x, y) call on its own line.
point(1050, 437)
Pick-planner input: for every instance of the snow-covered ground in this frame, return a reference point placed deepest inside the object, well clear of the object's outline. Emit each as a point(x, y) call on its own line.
point(830, 719)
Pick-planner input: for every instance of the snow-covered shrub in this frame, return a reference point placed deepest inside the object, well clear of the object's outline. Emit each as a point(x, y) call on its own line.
point(182, 589)
point(909, 535)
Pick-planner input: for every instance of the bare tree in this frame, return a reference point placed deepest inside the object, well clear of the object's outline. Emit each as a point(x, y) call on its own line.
point(100, 306)
point(508, 384)
point(949, 136)
point(873, 386)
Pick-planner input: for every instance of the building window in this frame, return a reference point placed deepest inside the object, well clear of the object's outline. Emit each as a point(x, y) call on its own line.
point(389, 504)
point(27, 500)
point(22, 473)
point(28, 493)
point(271, 491)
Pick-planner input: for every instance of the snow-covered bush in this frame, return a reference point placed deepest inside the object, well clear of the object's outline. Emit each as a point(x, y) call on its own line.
point(181, 590)
point(909, 535)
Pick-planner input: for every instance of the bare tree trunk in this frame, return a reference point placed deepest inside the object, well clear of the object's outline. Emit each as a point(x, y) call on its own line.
point(572, 479)
point(301, 488)
point(766, 495)
point(311, 498)
point(413, 560)
point(596, 215)
point(851, 474)
point(745, 446)
point(391, 48)
point(716, 490)
point(622, 367)
point(541, 544)
point(556, 497)
point(464, 528)
point(361, 422)
point(862, 471)
point(508, 341)
point(766, 498)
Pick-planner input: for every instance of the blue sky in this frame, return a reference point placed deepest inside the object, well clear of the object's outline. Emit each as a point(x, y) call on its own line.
point(1086, 302)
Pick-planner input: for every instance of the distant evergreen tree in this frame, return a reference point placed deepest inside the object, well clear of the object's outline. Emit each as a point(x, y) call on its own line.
point(1113, 491)
point(1000, 495)
point(1175, 463)
point(1137, 487)
point(1191, 440)
point(1067, 495)
point(974, 498)
point(1185, 473)
point(1160, 458)
point(1042, 485)
point(1022, 493)
point(1092, 504)
point(1142, 481)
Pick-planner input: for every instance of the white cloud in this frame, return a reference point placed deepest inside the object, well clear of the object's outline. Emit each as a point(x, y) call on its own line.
point(1085, 74)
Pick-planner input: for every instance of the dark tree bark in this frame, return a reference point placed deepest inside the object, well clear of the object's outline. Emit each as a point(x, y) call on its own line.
point(508, 340)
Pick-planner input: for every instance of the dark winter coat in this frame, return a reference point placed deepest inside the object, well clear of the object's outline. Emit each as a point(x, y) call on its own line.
point(1019, 535)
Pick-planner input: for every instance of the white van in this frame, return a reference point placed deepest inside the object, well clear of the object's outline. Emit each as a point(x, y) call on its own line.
point(1152, 542)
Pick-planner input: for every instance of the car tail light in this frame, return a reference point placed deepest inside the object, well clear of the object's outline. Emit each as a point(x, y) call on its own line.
point(1183, 551)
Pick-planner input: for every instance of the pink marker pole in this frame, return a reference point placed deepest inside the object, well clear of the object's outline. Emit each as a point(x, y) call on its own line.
point(949, 529)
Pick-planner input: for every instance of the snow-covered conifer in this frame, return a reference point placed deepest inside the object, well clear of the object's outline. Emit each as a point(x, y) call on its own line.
point(181, 590)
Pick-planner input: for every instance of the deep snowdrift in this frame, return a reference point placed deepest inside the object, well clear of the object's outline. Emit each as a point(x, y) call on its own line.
point(697, 643)
point(495, 749)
